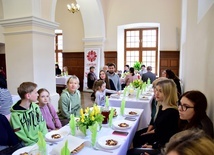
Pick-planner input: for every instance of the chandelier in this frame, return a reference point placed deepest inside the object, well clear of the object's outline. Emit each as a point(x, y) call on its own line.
point(73, 8)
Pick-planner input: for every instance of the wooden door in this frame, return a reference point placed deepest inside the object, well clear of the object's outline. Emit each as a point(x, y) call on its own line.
point(75, 63)
point(3, 62)
point(169, 60)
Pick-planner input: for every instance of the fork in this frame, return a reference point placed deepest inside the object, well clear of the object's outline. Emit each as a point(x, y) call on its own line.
point(99, 149)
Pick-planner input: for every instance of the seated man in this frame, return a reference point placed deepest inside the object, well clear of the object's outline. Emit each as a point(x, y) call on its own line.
point(91, 77)
point(148, 75)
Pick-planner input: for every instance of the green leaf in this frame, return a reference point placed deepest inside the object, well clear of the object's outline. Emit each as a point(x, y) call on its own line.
point(65, 150)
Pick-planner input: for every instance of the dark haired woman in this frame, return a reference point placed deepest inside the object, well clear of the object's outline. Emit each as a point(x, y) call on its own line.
point(57, 70)
point(192, 107)
point(171, 75)
point(130, 77)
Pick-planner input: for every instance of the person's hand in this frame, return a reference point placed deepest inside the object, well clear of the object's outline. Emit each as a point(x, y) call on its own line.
point(145, 133)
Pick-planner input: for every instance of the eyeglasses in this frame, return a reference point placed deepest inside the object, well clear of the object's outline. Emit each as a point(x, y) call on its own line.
point(184, 107)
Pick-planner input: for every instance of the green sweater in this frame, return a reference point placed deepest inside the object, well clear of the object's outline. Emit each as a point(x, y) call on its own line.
point(69, 104)
point(27, 123)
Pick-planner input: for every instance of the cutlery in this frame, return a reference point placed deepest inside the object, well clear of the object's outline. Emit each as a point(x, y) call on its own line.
point(99, 149)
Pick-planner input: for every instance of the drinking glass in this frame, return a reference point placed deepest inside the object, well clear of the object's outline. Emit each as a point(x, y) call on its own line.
point(105, 112)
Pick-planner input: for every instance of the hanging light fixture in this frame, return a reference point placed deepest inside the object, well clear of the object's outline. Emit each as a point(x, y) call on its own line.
point(73, 8)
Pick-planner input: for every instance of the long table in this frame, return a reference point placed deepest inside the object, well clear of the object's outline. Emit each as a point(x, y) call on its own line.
point(138, 104)
point(15, 98)
point(62, 80)
point(105, 131)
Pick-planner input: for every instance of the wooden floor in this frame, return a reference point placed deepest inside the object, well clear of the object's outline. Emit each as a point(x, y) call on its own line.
point(86, 100)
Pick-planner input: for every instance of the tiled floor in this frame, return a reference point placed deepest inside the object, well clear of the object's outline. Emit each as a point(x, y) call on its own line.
point(86, 100)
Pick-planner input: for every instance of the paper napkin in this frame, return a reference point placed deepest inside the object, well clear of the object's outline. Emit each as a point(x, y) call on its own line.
point(107, 102)
point(138, 93)
point(93, 130)
point(72, 124)
point(122, 107)
point(41, 142)
point(65, 150)
point(74, 144)
point(124, 91)
point(110, 117)
point(148, 81)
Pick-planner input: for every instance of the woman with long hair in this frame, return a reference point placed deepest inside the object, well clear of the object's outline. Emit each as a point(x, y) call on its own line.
point(165, 121)
point(130, 77)
point(168, 73)
point(192, 107)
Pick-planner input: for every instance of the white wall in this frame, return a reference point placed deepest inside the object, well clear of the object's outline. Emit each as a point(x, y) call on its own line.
point(198, 53)
point(167, 13)
point(72, 27)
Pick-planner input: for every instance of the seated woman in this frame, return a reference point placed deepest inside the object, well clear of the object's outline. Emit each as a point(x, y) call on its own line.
point(171, 75)
point(70, 100)
point(190, 142)
point(48, 111)
point(131, 76)
point(165, 122)
point(65, 71)
point(192, 110)
point(9, 142)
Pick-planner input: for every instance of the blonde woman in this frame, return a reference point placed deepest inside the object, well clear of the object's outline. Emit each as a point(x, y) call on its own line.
point(190, 142)
point(70, 100)
point(165, 121)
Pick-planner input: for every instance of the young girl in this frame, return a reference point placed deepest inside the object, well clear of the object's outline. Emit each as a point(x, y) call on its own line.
point(70, 100)
point(48, 111)
point(100, 92)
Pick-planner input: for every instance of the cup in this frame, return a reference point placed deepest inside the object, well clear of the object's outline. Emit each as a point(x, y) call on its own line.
point(105, 112)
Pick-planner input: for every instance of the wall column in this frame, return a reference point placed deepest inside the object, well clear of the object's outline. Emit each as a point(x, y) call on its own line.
point(29, 49)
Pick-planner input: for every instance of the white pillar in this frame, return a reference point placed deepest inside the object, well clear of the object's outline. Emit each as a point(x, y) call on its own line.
point(29, 50)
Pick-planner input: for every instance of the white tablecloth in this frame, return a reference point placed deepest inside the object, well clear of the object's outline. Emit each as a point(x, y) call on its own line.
point(15, 98)
point(62, 80)
point(138, 104)
point(105, 131)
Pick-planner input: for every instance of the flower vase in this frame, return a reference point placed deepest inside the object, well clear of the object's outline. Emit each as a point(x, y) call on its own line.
point(88, 133)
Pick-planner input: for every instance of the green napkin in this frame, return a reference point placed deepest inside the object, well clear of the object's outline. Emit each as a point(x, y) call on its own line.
point(93, 130)
point(144, 86)
point(107, 102)
point(148, 81)
point(110, 117)
point(72, 124)
point(124, 91)
point(138, 93)
point(41, 143)
point(122, 107)
point(65, 150)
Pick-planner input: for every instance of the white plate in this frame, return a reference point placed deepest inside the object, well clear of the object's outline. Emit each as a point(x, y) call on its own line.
point(144, 98)
point(128, 114)
point(147, 94)
point(115, 96)
point(25, 149)
point(49, 138)
point(102, 142)
point(116, 124)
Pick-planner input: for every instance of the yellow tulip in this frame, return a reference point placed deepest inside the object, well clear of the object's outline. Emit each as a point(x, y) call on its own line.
point(92, 118)
point(81, 111)
point(92, 113)
point(82, 120)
